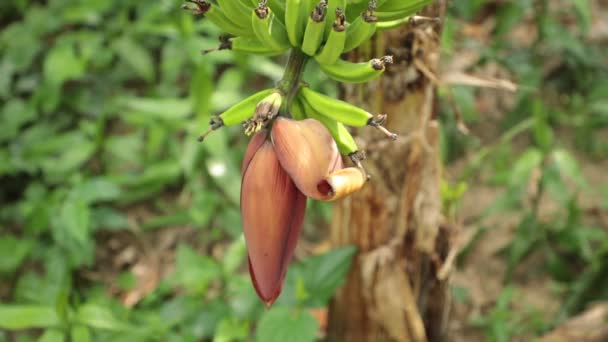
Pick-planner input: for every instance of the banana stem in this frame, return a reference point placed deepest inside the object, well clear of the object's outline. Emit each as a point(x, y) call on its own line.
point(290, 83)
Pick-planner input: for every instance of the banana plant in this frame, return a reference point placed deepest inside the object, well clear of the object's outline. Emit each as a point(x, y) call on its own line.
point(299, 135)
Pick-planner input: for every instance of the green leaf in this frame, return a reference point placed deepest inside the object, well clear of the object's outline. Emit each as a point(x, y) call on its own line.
point(62, 64)
point(17, 317)
point(568, 166)
point(80, 333)
point(583, 9)
point(100, 317)
point(323, 274)
point(97, 190)
point(235, 255)
point(284, 324)
point(230, 329)
point(75, 219)
point(15, 114)
point(201, 90)
point(53, 335)
point(12, 252)
point(193, 271)
point(159, 108)
point(136, 56)
point(524, 166)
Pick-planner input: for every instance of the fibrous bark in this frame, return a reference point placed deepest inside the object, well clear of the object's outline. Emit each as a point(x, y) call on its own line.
point(397, 287)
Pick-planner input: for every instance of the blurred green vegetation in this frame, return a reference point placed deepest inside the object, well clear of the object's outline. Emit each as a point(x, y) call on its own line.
point(101, 104)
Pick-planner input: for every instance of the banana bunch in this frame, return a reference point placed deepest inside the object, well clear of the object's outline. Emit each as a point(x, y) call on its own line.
point(322, 29)
point(299, 135)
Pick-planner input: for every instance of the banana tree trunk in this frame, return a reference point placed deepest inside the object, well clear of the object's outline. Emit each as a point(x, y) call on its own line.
point(397, 289)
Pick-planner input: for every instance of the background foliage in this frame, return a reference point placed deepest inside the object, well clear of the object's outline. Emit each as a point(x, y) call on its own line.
point(116, 225)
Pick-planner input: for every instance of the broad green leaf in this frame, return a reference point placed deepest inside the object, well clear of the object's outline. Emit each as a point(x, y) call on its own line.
point(100, 317)
point(49, 289)
point(97, 189)
point(159, 108)
point(52, 335)
point(524, 166)
point(19, 52)
point(75, 219)
point(16, 317)
point(80, 333)
point(285, 324)
point(194, 272)
point(583, 9)
point(136, 56)
point(201, 90)
point(204, 206)
point(568, 166)
point(13, 252)
point(235, 255)
point(323, 274)
point(230, 329)
point(108, 218)
point(15, 114)
point(62, 64)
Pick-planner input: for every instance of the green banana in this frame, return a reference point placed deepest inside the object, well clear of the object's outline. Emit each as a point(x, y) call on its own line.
point(295, 20)
point(361, 29)
point(298, 112)
point(401, 5)
point(354, 9)
point(235, 11)
point(269, 30)
point(266, 110)
point(345, 141)
point(343, 112)
point(277, 6)
point(315, 28)
point(215, 14)
point(336, 109)
point(332, 6)
point(245, 109)
point(238, 113)
point(335, 42)
point(347, 72)
point(249, 45)
point(396, 9)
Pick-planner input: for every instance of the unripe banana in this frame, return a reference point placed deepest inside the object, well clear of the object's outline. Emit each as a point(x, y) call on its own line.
point(269, 30)
point(238, 113)
point(215, 14)
point(332, 6)
point(355, 9)
point(361, 29)
point(347, 72)
point(315, 28)
point(295, 20)
point(335, 42)
point(245, 109)
point(394, 10)
point(264, 112)
point(336, 109)
point(249, 45)
point(298, 112)
point(345, 141)
point(278, 8)
point(235, 10)
point(401, 6)
point(343, 112)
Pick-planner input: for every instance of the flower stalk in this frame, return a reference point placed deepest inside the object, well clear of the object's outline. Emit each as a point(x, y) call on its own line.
point(290, 83)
